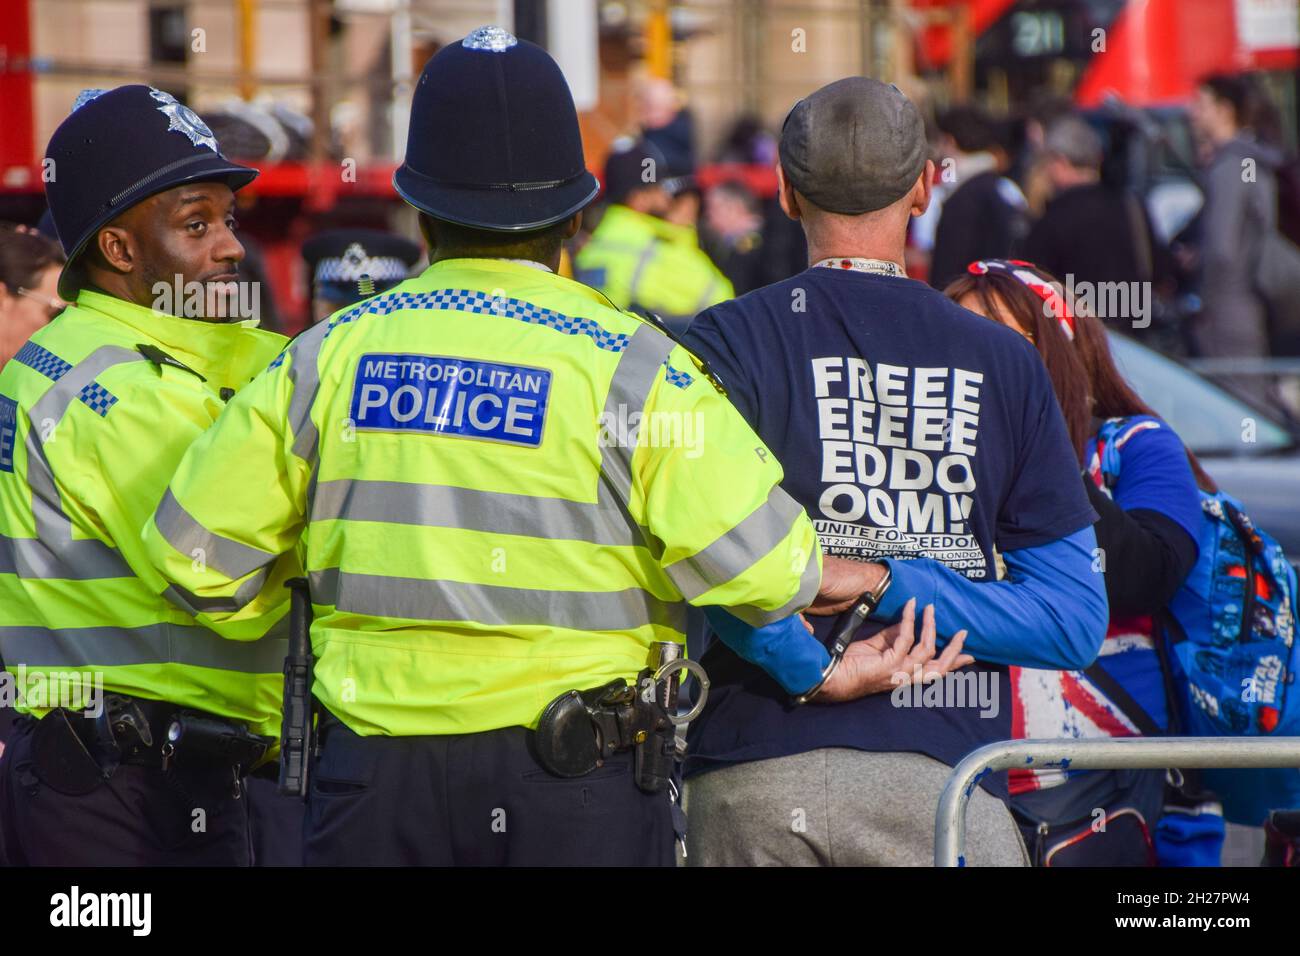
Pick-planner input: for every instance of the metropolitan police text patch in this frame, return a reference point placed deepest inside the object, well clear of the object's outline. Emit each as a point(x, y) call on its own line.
point(451, 396)
point(8, 431)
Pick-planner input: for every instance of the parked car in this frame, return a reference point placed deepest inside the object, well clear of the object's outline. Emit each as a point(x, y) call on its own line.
point(1251, 452)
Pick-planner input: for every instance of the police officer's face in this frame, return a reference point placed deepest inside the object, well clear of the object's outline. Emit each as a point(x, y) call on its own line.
point(183, 252)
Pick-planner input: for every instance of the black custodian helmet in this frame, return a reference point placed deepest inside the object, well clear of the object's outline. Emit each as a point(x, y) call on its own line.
point(494, 141)
point(119, 147)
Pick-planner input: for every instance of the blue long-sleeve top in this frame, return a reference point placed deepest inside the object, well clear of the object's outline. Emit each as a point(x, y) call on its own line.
point(1050, 612)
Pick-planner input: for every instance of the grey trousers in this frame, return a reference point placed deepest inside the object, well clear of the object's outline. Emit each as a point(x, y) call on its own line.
point(837, 807)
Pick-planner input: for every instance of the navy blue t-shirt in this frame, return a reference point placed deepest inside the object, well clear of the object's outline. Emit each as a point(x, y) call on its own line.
point(907, 426)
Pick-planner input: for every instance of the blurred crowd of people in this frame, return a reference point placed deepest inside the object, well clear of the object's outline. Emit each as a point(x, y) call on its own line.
point(1068, 191)
point(1049, 185)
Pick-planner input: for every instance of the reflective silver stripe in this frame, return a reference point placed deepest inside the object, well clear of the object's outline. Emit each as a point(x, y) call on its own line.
point(738, 549)
point(192, 603)
point(495, 512)
point(231, 558)
point(129, 646)
point(83, 559)
point(54, 403)
point(423, 600)
point(635, 375)
point(706, 299)
point(187, 600)
point(642, 263)
point(809, 582)
point(305, 376)
point(87, 560)
point(53, 553)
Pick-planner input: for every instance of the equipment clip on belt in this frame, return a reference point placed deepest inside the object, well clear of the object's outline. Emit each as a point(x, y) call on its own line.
point(75, 752)
point(580, 729)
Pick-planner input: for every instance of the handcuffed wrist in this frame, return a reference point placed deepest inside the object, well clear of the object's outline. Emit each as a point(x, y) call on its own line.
point(784, 649)
point(816, 689)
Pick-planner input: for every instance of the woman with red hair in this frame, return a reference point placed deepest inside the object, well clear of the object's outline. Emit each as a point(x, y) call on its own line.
point(1146, 539)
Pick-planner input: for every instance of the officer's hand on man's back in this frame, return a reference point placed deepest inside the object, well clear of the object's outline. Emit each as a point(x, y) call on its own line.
point(892, 658)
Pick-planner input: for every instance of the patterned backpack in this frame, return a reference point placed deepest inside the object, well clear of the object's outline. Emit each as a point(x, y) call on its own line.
point(1232, 651)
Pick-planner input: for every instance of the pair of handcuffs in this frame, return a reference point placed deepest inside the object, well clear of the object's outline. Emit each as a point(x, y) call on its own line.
point(845, 627)
point(580, 729)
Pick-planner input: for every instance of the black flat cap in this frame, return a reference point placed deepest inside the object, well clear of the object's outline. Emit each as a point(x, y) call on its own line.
point(854, 146)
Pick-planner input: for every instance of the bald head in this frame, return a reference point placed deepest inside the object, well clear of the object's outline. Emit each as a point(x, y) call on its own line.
point(656, 101)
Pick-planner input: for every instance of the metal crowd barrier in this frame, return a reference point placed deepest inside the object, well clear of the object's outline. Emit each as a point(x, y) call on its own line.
point(1155, 753)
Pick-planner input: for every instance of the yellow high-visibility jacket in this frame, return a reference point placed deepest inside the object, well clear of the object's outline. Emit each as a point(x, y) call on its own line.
point(95, 413)
point(641, 261)
point(485, 525)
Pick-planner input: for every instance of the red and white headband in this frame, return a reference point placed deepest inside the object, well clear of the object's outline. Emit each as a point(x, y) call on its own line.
point(1023, 272)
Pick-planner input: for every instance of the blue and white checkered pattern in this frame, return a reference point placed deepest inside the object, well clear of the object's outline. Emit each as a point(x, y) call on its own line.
point(277, 361)
point(674, 377)
point(43, 360)
point(97, 398)
point(466, 300)
point(350, 268)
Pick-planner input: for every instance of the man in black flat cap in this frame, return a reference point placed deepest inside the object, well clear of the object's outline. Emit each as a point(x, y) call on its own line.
point(923, 440)
point(140, 726)
point(348, 265)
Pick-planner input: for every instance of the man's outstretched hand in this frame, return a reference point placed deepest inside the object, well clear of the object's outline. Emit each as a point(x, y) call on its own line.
point(892, 658)
point(843, 582)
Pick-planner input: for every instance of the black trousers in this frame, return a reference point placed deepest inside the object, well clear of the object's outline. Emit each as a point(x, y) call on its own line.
point(139, 817)
point(475, 799)
point(275, 823)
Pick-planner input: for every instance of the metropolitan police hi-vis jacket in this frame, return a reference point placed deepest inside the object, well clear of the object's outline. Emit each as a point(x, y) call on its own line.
point(507, 489)
point(95, 413)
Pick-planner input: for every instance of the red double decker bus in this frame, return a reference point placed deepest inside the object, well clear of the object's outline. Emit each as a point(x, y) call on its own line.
point(1132, 66)
point(1147, 53)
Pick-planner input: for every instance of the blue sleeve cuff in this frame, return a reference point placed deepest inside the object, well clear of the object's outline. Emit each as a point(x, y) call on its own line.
point(908, 579)
point(793, 658)
point(1049, 612)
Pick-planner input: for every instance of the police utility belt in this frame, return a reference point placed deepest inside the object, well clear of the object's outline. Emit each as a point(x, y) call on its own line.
point(576, 733)
point(75, 752)
point(580, 729)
